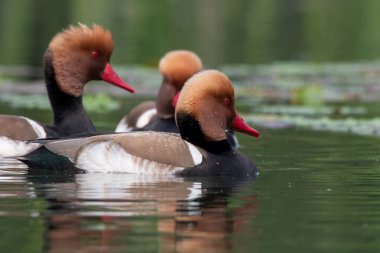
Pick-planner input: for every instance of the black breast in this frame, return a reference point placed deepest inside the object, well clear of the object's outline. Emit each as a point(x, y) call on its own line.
point(232, 163)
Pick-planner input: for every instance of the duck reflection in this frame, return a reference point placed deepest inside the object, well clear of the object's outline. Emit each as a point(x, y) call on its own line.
point(135, 213)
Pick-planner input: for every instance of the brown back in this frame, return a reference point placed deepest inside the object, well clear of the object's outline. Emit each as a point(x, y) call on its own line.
point(17, 128)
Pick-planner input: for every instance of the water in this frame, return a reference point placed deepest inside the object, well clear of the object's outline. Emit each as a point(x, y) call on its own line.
point(316, 192)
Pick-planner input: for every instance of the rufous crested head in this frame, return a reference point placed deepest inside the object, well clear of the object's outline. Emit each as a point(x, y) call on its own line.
point(83, 37)
point(79, 54)
point(179, 65)
point(209, 98)
point(206, 85)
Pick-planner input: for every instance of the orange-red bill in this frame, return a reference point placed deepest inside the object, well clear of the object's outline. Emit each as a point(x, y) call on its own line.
point(239, 125)
point(110, 76)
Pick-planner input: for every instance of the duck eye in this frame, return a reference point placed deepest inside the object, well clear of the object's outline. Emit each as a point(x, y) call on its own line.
point(95, 54)
point(227, 101)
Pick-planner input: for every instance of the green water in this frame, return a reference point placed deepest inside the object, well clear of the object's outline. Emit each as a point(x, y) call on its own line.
point(317, 192)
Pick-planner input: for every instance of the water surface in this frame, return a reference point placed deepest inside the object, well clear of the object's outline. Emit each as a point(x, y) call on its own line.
point(316, 192)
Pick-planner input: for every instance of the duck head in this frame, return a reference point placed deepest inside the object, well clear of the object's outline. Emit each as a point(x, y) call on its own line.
point(176, 67)
point(206, 109)
point(80, 54)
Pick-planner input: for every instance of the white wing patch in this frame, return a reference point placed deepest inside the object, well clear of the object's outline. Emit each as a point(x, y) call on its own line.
point(195, 154)
point(123, 126)
point(11, 148)
point(40, 131)
point(108, 156)
point(145, 118)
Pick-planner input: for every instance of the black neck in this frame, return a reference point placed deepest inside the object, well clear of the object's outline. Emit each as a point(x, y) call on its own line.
point(69, 114)
point(191, 131)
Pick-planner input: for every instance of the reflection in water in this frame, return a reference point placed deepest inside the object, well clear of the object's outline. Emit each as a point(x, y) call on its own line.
point(318, 192)
point(11, 165)
point(110, 212)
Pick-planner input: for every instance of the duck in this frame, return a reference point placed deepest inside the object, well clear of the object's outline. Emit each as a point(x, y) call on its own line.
point(74, 57)
point(204, 111)
point(176, 66)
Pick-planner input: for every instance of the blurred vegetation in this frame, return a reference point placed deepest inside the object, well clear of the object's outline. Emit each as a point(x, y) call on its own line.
point(278, 53)
point(220, 31)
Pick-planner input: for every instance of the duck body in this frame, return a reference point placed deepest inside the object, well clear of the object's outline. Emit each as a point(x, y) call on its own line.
point(126, 153)
point(73, 58)
point(201, 148)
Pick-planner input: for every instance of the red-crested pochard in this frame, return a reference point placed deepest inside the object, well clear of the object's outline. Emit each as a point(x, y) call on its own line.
point(176, 67)
point(205, 109)
point(74, 57)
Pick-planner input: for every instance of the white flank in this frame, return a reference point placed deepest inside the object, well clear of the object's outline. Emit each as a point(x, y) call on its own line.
point(108, 156)
point(144, 119)
point(40, 131)
point(10, 148)
point(195, 154)
point(123, 126)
